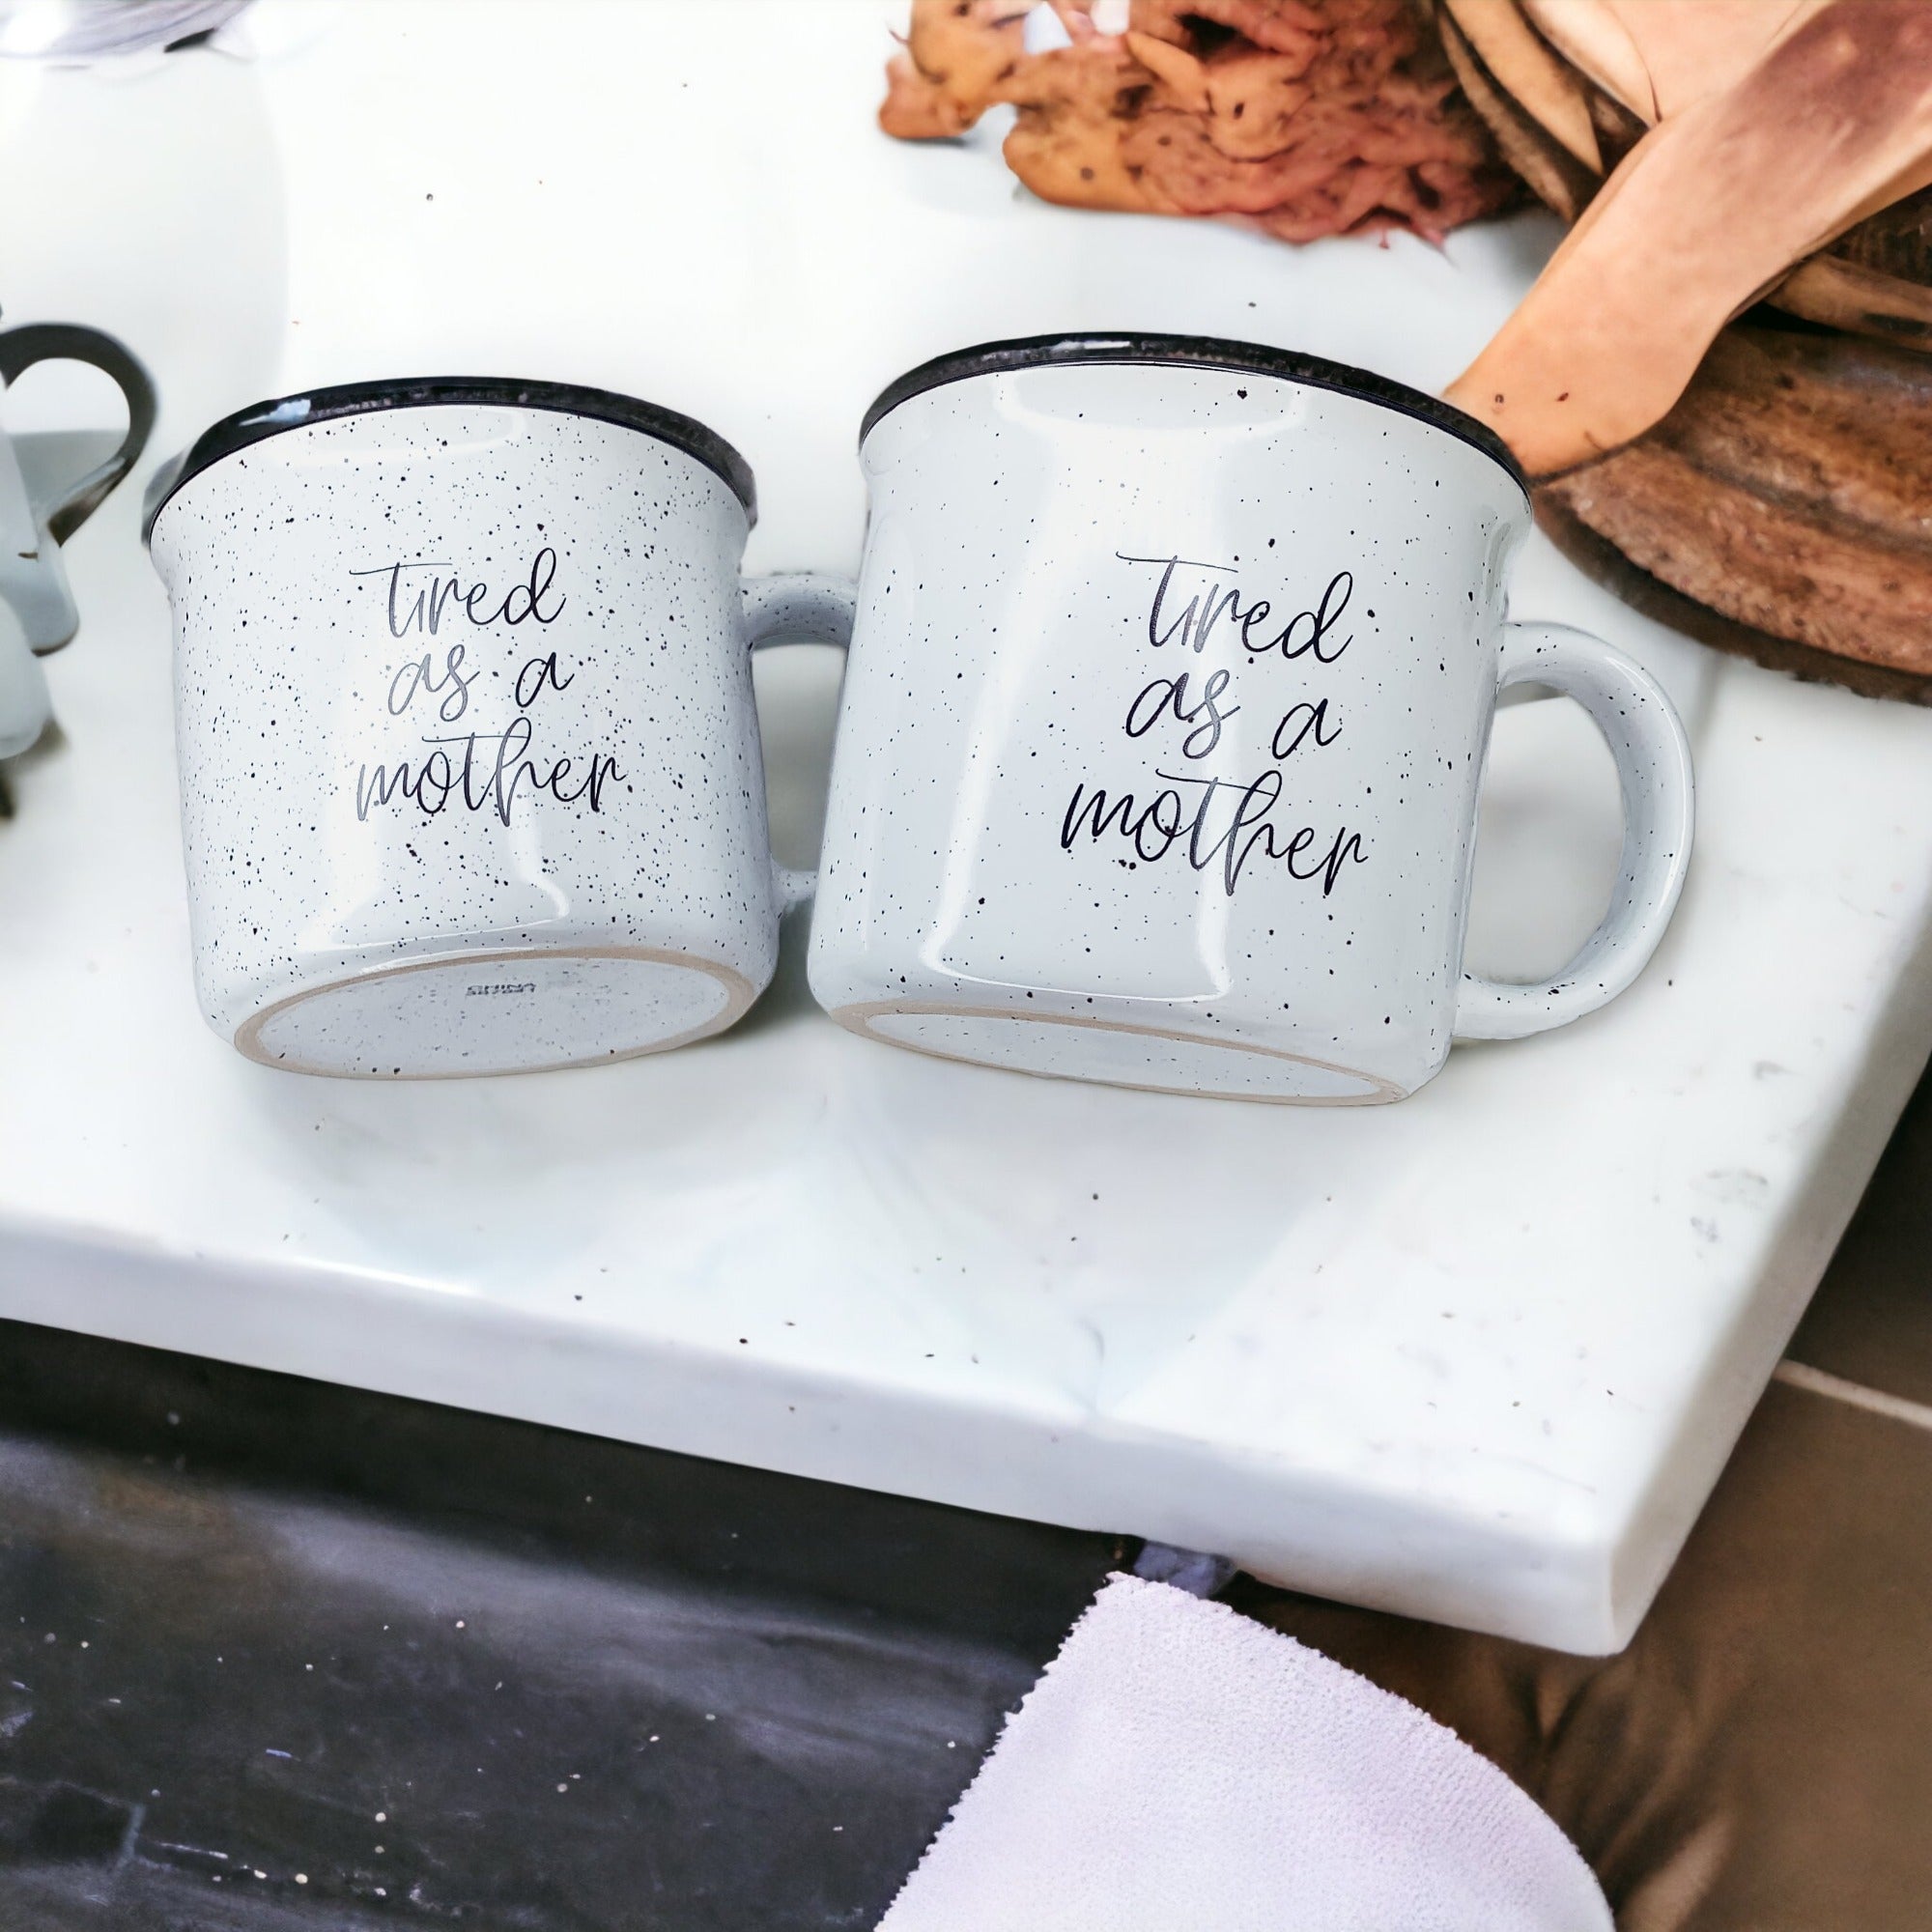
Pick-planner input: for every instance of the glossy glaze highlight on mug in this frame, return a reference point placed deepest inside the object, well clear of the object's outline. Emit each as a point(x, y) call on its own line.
point(1161, 738)
point(470, 763)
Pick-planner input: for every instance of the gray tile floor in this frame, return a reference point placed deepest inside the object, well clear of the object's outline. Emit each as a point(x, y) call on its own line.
point(1870, 1323)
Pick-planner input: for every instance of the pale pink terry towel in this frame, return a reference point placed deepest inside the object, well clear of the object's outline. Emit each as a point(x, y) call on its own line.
point(1178, 1766)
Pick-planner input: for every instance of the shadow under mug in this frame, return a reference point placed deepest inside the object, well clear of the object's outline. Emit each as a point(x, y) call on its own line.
point(470, 758)
point(1164, 721)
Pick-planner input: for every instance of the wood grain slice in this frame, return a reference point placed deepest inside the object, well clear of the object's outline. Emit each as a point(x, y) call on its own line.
point(1783, 509)
point(1875, 279)
point(1554, 175)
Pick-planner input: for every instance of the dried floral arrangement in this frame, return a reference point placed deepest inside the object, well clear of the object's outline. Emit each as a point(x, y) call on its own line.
point(1305, 117)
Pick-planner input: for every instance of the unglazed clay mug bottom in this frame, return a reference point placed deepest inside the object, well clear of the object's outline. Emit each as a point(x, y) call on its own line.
point(1164, 724)
point(500, 1012)
point(1115, 1053)
point(470, 773)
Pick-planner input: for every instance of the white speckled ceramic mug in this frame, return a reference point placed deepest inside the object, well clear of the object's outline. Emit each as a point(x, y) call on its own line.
point(1165, 717)
point(469, 762)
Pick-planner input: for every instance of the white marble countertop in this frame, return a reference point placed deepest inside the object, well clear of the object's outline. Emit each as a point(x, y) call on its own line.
point(1478, 1356)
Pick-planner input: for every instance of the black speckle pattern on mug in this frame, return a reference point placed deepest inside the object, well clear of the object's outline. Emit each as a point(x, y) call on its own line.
point(465, 680)
point(1162, 731)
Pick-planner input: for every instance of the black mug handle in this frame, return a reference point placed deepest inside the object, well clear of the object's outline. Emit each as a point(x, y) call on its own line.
point(68, 342)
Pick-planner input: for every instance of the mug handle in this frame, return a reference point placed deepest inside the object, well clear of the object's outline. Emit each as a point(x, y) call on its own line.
point(68, 342)
point(799, 606)
point(1653, 756)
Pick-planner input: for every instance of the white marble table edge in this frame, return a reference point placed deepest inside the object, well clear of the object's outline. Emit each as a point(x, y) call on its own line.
point(1376, 1547)
point(396, 1337)
point(1688, 1467)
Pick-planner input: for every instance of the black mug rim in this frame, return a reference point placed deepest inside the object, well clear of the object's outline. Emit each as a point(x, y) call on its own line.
point(260, 421)
point(1193, 352)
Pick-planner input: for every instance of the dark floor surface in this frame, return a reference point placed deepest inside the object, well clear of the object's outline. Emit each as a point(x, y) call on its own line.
point(275, 1655)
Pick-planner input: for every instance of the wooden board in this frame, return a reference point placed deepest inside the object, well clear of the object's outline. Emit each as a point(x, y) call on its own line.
point(1777, 512)
point(1607, 565)
point(1781, 509)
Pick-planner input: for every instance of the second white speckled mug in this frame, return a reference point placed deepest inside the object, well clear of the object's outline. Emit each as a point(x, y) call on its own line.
point(1165, 717)
point(469, 762)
